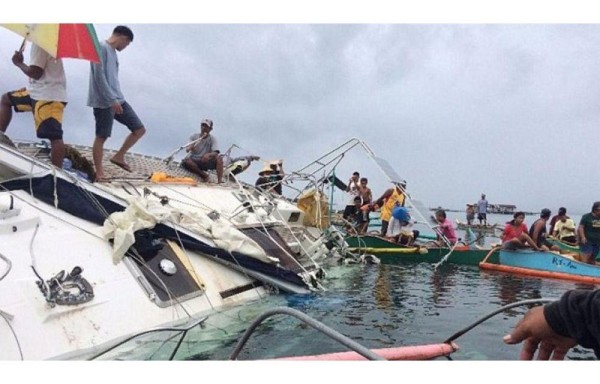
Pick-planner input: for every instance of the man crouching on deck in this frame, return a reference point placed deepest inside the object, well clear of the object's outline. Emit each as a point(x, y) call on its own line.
point(204, 153)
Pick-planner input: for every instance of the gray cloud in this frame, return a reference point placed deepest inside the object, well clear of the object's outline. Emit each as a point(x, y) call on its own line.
point(458, 109)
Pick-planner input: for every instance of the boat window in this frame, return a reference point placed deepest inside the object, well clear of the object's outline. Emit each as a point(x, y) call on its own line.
point(167, 277)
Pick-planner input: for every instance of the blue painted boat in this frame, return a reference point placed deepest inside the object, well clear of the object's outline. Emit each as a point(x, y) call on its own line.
point(544, 264)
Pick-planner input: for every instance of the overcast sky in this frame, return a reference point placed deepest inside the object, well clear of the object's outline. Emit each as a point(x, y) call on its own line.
point(510, 110)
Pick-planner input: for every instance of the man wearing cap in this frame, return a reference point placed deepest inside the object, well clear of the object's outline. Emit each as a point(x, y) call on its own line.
point(537, 232)
point(204, 153)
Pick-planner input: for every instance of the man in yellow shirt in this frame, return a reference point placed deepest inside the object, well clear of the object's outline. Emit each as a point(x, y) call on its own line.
point(564, 230)
point(393, 197)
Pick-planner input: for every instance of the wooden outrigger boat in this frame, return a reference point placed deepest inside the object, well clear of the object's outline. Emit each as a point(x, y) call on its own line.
point(566, 247)
point(542, 264)
point(477, 227)
point(390, 252)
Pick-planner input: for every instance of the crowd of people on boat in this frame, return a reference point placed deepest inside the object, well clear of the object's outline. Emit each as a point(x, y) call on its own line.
point(397, 225)
point(586, 236)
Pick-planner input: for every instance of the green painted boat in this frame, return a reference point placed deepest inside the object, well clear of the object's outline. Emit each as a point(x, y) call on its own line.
point(389, 252)
point(566, 247)
point(563, 245)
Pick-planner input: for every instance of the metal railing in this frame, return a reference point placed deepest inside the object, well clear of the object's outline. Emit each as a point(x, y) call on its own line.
point(310, 321)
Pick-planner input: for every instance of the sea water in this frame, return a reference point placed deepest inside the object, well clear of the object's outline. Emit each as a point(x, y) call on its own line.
point(378, 306)
point(389, 305)
point(385, 306)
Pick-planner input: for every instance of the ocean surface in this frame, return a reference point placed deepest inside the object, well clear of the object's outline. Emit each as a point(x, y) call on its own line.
point(378, 306)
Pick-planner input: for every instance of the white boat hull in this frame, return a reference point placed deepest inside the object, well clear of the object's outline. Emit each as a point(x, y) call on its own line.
point(120, 305)
point(124, 302)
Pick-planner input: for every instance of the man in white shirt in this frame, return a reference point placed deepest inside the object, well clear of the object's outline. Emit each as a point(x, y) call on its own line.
point(46, 97)
point(353, 189)
point(482, 207)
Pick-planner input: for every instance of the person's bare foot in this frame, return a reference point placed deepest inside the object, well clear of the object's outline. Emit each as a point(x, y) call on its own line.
point(101, 179)
point(121, 163)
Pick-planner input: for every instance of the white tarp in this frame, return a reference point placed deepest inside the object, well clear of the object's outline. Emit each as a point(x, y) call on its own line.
point(142, 213)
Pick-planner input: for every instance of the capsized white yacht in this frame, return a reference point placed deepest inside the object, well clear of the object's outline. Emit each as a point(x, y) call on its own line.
point(84, 265)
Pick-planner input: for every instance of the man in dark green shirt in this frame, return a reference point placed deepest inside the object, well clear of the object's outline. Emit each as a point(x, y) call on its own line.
point(589, 234)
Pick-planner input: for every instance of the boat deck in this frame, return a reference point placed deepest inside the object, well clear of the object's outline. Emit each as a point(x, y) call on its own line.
point(142, 166)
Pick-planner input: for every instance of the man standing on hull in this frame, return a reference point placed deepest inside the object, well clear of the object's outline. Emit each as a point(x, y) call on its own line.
point(109, 104)
point(46, 97)
point(482, 207)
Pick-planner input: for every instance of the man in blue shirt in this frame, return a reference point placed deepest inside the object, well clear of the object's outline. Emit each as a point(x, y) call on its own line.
point(109, 104)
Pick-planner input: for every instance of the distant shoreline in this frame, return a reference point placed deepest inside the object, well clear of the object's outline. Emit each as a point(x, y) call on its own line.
point(495, 213)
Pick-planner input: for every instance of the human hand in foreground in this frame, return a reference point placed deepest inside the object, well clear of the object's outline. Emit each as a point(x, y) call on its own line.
point(534, 330)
